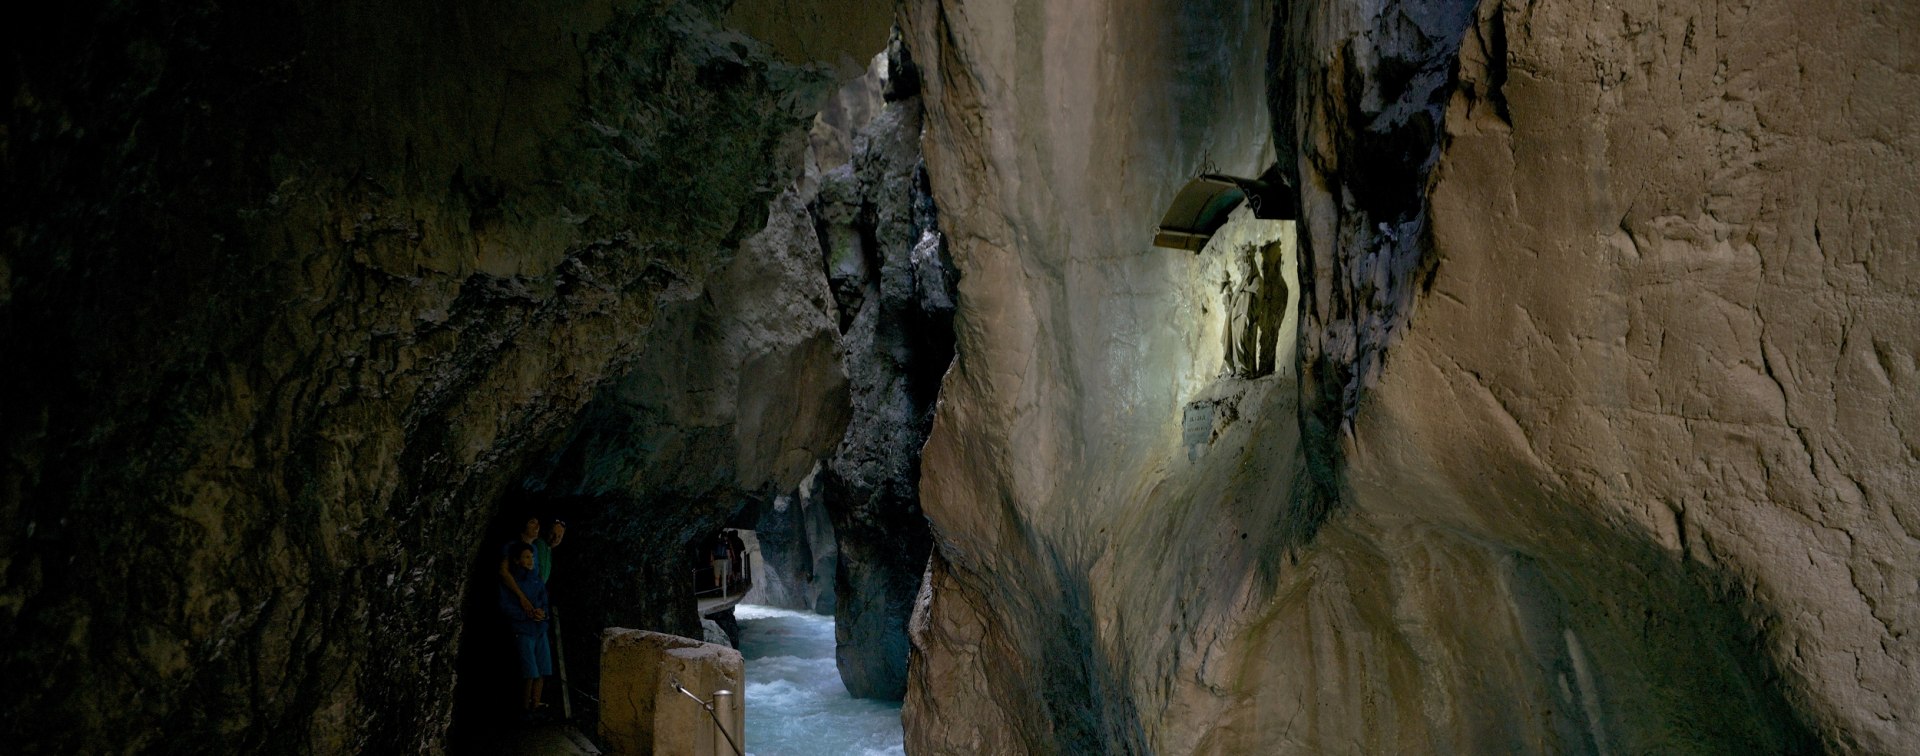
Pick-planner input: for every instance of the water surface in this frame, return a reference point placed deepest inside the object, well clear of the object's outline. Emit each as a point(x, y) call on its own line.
point(796, 705)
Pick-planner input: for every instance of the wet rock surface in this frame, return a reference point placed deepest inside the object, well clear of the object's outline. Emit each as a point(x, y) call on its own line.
point(892, 280)
point(798, 552)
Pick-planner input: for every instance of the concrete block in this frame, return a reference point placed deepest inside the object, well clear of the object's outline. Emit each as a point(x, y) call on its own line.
point(641, 713)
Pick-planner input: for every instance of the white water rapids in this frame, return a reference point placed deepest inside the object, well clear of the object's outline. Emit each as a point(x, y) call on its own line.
point(796, 705)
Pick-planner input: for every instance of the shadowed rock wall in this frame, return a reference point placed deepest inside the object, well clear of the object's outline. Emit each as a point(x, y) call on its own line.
point(306, 288)
point(1597, 434)
point(798, 552)
point(737, 392)
point(894, 283)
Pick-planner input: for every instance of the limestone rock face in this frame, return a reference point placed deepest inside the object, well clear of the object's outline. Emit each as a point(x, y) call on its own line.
point(1595, 435)
point(1684, 375)
point(295, 292)
point(798, 554)
point(830, 139)
point(738, 388)
point(892, 279)
point(712, 632)
point(1079, 549)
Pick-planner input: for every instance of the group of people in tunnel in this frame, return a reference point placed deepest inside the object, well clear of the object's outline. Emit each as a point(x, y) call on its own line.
point(526, 567)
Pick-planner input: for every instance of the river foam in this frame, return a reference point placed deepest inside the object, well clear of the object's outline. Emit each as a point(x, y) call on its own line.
point(796, 704)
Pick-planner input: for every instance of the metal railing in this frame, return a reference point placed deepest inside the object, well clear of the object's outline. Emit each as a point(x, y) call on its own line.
point(720, 587)
point(722, 710)
point(724, 585)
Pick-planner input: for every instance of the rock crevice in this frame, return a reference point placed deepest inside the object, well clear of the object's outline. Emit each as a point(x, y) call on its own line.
point(893, 281)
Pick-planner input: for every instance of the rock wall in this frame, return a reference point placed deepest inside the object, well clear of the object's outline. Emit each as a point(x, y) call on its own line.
point(798, 554)
point(1689, 389)
point(1596, 436)
point(306, 289)
point(1077, 548)
point(831, 318)
point(738, 392)
point(894, 283)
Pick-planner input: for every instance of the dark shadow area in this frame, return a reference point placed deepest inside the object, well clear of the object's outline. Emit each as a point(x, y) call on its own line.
point(486, 710)
point(617, 567)
point(1680, 650)
point(1084, 689)
point(1074, 696)
point(286, 325)
point(1625, 645)
point(1384, 148)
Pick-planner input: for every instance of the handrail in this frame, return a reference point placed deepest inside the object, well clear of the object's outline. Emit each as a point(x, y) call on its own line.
point(708, 706)
point(696, 581)
point(726, 583)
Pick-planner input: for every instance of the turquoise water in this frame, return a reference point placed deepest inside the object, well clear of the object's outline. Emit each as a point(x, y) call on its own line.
point(796, 705)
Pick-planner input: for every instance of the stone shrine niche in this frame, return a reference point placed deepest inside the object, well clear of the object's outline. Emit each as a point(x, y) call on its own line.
point(1247, 270)
point(1242, 337)
point(1243, 229)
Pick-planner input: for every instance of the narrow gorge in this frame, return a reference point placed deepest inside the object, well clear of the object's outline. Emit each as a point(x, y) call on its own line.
point(1122, 376)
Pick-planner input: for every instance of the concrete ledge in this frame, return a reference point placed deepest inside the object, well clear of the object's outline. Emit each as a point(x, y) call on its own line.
point(641, 713)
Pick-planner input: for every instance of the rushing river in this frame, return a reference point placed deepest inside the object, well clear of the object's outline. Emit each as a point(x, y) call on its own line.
point(796, 705)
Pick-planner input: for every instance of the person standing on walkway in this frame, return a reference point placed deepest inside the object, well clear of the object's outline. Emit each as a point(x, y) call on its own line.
point(737, 558)
point(542, 558)
point(556, 532)
point(529, 627)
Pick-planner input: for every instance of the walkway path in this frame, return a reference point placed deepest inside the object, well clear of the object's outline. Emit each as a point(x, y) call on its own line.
point(557, 739)
point(712, 605)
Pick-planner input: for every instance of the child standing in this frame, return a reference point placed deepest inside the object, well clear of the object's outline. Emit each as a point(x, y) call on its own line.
point(529, 627)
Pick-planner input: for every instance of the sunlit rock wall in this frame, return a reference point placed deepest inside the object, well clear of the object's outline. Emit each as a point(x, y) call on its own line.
point(1597, 437)
point(292, 291)
point(1078, 546)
